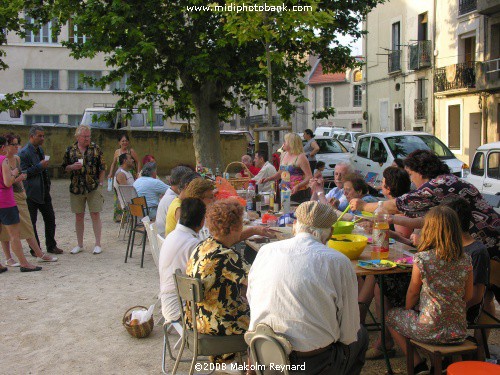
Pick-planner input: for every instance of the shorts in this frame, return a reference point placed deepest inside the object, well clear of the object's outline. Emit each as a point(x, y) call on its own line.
point(94, 200)
point(9, 216)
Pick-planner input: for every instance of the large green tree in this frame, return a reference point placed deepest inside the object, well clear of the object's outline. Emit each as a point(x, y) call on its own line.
point(190, 56)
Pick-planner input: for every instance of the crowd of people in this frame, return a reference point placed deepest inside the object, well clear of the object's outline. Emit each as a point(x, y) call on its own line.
point(299, 287)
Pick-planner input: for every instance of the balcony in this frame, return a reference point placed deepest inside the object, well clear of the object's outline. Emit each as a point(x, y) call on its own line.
point(488, 75)
point(488, 7)
point(455, 77)
point(394, 62)
point(419, 55)
point(466, 6)
point(421, 109)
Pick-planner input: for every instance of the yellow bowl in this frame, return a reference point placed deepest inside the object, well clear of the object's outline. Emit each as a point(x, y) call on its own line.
point(351, 245)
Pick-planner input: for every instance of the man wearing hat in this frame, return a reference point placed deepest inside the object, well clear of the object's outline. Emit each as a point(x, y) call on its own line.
point(309, 293)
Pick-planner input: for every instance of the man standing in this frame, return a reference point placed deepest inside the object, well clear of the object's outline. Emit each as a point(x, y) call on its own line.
point(150, 187)
point(173, 192)
point(37, 187)
point(266, 170)
point(309, 293)
point(85, 161)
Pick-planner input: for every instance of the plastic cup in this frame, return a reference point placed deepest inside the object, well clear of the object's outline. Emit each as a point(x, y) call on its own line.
point(47, 157)
point(80, 161)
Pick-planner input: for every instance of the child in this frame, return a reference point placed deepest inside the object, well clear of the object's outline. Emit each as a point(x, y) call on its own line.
point(441, 283)
point(318, 172)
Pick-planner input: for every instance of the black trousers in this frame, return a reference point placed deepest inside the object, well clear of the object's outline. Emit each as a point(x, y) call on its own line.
point(49, 219)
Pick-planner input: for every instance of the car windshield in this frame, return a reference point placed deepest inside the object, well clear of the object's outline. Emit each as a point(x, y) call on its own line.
point(356, 135)
point(402, 145)
point(102, 124)
point(330, 146)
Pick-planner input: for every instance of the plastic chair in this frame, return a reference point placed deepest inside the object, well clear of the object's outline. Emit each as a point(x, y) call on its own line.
point(136, 226)
point(190, 290)
point(153, 238)
point(267, 347)
point(473, 367)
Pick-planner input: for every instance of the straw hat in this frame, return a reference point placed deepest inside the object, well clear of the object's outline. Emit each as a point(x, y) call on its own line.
point(315, 214)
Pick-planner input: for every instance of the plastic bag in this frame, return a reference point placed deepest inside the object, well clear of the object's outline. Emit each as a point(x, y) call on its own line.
point(226, 190)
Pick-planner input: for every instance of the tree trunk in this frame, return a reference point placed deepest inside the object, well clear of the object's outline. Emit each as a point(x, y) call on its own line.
point(206, 132)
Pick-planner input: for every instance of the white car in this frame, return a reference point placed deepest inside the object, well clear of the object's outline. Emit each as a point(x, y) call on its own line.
point(377, 151)
point(485, 172)
point(327, 131)
point(349, 139)
point(331, 152)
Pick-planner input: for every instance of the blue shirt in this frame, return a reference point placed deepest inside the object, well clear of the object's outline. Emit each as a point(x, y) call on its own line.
point(152, 189)
point(338, 194)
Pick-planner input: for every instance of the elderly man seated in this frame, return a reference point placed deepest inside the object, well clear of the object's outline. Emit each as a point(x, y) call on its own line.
point(266, 170)
point(247, 160)
point(309, 293)
point(150, 187)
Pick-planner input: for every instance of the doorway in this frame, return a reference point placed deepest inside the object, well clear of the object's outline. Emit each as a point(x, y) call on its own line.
point(398, 119)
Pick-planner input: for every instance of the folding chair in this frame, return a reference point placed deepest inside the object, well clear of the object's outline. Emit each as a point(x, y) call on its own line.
point(267, 347)
point(190, 290)
point(153, 238)
point(136, 226)
point(125, 195)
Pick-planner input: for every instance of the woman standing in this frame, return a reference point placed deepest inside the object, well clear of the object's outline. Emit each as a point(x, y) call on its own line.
point(294, 171)
point(9, 213)
point(311, 148)
point(25, 226)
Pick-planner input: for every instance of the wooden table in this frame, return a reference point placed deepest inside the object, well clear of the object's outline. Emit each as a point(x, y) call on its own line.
point(396, 251)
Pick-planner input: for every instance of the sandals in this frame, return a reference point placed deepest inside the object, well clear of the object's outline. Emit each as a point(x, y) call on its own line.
point(26, 269)
point(47, 258)
point(12, 263)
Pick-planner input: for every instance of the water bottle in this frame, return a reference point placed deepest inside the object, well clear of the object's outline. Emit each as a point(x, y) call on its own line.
point(380, 235)
point(250, 196)
point(285, 200)
point(110, 184)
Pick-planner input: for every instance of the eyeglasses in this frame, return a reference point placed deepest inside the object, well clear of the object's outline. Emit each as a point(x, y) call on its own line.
point(13, 144)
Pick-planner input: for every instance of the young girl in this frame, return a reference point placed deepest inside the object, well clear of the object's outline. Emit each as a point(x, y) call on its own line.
point(318, 172)
point(441, 284)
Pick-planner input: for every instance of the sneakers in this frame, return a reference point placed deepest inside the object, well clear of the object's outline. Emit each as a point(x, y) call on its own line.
point(76, 250)
point(97, 250)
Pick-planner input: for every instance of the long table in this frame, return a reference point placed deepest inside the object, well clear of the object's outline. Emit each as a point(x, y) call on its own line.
point(396, 251)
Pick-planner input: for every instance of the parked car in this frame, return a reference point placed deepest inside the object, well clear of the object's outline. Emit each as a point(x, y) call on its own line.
point(377, 151)
point(138, 120)
point(484, 172)
point(331, 152)
point(327, 131)
point(349, 139)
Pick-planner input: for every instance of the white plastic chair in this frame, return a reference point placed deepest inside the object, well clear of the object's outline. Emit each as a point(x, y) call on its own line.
point(153, 239)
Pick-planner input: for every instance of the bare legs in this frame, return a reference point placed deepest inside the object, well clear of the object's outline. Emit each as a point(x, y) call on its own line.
point(96, 225)
point(32, 244)
point(401, 342)
point(13, 231)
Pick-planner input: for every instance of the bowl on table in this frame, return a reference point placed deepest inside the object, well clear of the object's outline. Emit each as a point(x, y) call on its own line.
point(351, 245)
point(343, 227)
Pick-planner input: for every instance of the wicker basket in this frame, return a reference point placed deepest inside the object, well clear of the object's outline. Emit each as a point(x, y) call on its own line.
point(240, 183)
point(140, 330)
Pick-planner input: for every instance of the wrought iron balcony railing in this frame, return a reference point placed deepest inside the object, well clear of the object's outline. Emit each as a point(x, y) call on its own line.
point(420, 109)
point(466, 6)
point(457, 76)
point(419, 55)
point(394, 63)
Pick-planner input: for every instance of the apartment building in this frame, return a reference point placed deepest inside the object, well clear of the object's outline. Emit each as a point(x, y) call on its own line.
point(398, 71)
point(467, 74)
point(342, 91)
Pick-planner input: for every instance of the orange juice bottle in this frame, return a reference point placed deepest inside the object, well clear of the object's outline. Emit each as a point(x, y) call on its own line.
point(380, 236)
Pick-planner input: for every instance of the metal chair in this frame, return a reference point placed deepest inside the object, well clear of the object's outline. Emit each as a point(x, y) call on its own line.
point(190, 290)
point(136, 226)
point(125, 194)
point(267, 347)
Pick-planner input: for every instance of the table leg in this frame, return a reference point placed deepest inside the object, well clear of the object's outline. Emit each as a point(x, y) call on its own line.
point(382, 325)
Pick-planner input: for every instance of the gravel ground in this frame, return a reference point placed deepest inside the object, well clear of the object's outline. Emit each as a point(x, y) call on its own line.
point(67, 318)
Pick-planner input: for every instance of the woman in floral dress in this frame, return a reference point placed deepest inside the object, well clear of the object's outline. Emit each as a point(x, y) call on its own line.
point(441, 284)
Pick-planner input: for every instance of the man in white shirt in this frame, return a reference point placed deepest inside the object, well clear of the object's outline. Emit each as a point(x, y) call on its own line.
point(175, 252)
point(172, 193)
point(266, 170)
point(309, 293)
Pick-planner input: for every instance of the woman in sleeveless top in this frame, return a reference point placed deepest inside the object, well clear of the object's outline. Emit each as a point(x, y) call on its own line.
point(25, 226)
point(294, 171)
point(311, 148)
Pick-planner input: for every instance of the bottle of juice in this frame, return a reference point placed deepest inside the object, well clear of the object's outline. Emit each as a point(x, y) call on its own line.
point(380, 235)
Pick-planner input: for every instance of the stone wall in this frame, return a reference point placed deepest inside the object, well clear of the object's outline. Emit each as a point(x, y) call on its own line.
point(168, 148)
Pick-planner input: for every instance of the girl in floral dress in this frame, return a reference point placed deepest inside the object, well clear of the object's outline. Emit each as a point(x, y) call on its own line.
point(441, 285)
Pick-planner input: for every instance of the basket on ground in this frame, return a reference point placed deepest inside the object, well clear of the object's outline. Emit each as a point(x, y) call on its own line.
point(239, 183)
point(138, 330)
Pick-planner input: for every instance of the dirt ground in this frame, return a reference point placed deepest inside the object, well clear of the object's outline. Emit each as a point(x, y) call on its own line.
point(66, 319)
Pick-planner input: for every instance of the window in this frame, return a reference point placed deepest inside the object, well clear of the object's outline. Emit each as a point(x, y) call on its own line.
point(34, 119)
point(41, 80)
point(402, 145)
point(74, 120)
point(357, 96)
point(327, 97)
point(363, 144)
point(358, 76)
point(477, 168)
point(329, 146)
point(122, 84)
point(75, 80)
point(74, 37)
point(378, 153)
point(494, 165)
point(42, 35)
point(454, 127)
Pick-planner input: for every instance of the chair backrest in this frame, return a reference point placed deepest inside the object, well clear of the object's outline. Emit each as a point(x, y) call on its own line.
point(125, 195)
point(189, 290)
point(153, 238)
point(136, 211)
point(160, 240)
point(267, 347)
point(141, 201)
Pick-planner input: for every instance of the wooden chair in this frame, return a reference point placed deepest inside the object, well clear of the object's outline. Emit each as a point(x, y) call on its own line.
point(125, 194)
point(136, 226)
point(437, 353)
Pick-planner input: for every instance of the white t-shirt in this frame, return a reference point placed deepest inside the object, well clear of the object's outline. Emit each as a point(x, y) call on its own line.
point(161, 212)
point(266, 171)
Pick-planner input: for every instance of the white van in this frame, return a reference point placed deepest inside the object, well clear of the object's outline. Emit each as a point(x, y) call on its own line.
point(485, 169)
point(137, 121)
point(327, 131)
point(349, 139)
point(12, 116)
point(377, 151)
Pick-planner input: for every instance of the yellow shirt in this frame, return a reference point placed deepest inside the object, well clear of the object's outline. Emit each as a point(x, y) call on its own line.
point(171, 222)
